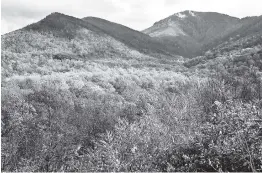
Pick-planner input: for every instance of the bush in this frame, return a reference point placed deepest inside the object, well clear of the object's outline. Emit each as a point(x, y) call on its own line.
point(127, 119)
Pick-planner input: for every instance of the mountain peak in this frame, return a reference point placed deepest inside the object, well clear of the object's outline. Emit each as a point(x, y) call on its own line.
point(61, 25)
point(185, 14)
point(191, 29)
point(52, 20)
point(55, 14)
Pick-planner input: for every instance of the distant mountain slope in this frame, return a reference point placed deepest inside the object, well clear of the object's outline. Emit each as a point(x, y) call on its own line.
point(187, 33)
point(64, 37)
point(200, 26)
point(130, 37)
point(193, 33)
point(61, 25)
point(249, 34)
point(243, 47)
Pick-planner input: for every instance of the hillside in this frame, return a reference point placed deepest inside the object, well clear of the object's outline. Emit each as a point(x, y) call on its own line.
point(130, 37)
point(65, 36)
point(246, 36)
point(70, 28)
point(193, 33)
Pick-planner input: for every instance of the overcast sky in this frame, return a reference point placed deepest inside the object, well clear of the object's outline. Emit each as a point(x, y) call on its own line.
point(137, 14)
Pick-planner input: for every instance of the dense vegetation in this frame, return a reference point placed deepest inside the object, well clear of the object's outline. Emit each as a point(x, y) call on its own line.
point(74, 99)
point(73, 115)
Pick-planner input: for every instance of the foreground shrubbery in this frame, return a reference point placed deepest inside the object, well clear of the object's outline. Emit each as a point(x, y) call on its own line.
point(228, 139)
point(128, 119)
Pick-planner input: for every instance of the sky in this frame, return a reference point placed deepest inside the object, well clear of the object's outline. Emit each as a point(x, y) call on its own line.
point(136, 14)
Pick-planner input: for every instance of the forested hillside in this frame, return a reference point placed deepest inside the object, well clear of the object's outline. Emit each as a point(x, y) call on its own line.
point(77, 97)
point(193, 33)
point(132, 38)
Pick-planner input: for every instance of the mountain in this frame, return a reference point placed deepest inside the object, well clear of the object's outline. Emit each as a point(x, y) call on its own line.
point(192, 33)
point(59, 40)
point(247, 35)
point(59, 35)
point(134, 39)
point(187, 33)
point(65, 37)
point(237, 51)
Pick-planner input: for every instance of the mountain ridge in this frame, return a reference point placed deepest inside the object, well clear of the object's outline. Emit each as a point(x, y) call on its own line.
point(187, 33)
point(193, 30)
point(65, 37)
point(129, 36)
point(65, 26)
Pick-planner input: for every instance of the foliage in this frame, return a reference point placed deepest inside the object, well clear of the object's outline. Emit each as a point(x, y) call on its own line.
point(66, 113)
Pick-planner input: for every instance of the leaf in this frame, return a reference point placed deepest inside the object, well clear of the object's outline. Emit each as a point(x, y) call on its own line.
point(246, 163)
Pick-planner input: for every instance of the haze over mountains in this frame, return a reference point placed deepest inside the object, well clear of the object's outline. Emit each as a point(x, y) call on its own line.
point(187, 33)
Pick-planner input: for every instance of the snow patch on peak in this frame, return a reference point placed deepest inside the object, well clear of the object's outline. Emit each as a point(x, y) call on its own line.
point(192, 13)
point(169, 29)
point(180, 15)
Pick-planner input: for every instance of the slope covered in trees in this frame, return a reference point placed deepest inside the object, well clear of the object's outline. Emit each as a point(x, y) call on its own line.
point(132, 38)
point(193, 33)
point(75, 98)
point(60, 36)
